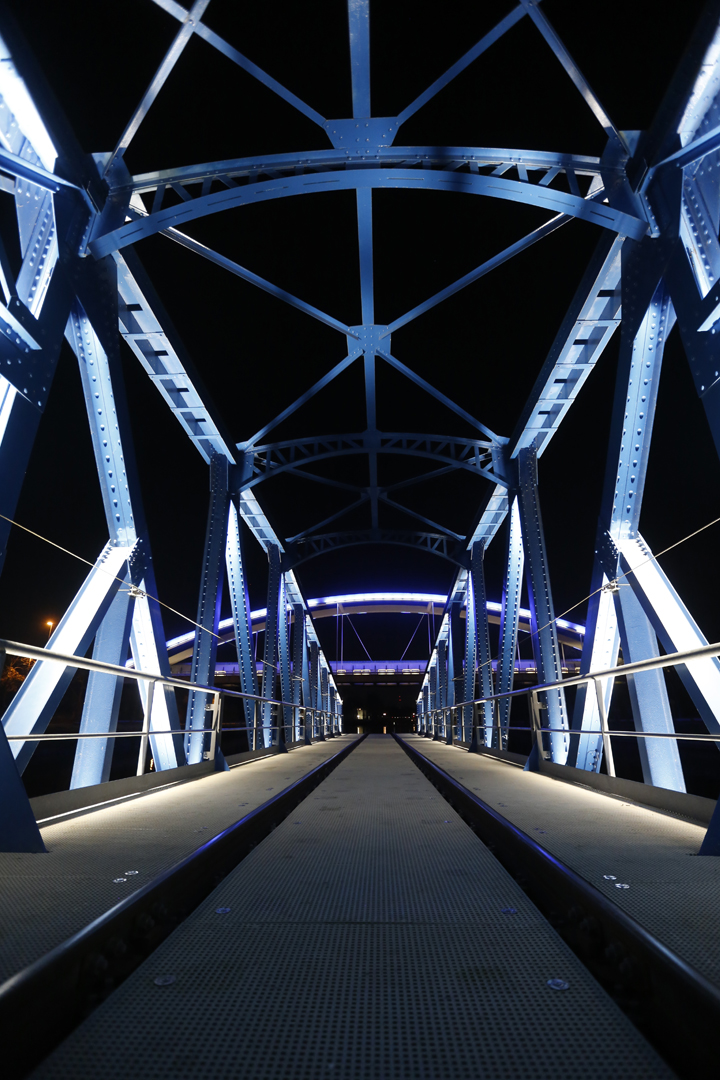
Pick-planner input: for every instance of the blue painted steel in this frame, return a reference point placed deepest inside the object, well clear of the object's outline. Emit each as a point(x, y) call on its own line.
point(315, 693)
point(456, 675)
point(648, 696)
point(93, 757)
point(173, 54)
point(509, 617)
point(479, 656)
point(359, 27)
point(270, 656)
point(18, 829)
point(499, 159)
point(544, 631)
point(97, 351)
point(285, 712)
point(255, 194)
point(240, 606)
point(32, 708)
point(641, 352)
point(177, 11)
point(202, 667)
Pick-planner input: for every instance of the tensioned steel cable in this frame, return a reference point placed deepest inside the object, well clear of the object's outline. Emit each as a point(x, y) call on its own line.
point(133, 590)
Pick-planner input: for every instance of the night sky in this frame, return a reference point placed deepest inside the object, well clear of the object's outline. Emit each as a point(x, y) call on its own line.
point(483, 348)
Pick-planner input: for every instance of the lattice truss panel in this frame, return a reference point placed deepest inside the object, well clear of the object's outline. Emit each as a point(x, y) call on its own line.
point(78, 221)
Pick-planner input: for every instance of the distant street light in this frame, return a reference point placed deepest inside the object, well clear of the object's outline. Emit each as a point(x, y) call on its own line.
point(50, 625)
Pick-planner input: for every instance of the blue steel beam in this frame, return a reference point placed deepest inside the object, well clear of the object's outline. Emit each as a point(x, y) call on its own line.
point(480, 271)
point(101, 707)
point(499, 160)
point(213, 39)
point(274, 458)
point(641, 353)
point(32, 708)
point(478, 630)
point(285, 712)
point(202, 667)
point(509, 618)
point(553, 39)
point(542, 611)
point(255, 279)
point(100, 368)
point(249, 444)
point(359, 28)
point(459, 66)
point(263, 191)
point(320, 544)
point(193, 16)
point(240, 607)
point(270, 652)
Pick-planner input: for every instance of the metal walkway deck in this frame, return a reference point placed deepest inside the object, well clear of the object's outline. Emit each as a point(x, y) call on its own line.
point(96, 858)
point(670, 892)
point(371, 935)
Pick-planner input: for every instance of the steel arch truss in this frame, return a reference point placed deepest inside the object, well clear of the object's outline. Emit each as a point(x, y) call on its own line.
point(658, 257)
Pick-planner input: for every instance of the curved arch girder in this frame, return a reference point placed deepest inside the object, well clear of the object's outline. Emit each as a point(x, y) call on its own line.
point(446, 547)
point(556, 202)
point(466, 454)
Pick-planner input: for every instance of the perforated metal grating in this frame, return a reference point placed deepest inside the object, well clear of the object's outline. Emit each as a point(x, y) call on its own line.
point(365, 938)
point(672, 893)
point(46, 898)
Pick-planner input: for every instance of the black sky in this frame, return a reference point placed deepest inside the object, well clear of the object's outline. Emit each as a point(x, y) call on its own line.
point(483, 347)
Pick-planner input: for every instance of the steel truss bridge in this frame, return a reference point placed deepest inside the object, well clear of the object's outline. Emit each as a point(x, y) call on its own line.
point(653, 199)
point(656, 261)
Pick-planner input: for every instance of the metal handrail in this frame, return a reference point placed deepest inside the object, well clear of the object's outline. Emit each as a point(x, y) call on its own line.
point(326, 721)
point(533, 692)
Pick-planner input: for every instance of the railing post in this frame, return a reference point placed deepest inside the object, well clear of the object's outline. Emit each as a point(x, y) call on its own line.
point(536, 723)
point(215, 735)
point(146, 728)
point(607, 746)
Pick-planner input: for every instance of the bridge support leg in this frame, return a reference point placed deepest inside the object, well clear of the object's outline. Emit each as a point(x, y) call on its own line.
point(202, 670)
point(18, 828)
point(615, 616)
point(455, 671)
point(271, 644)
point(509, 617)
point(477, 656)
point(92, 332)
point(284, 712)
point(542, 612)
point(240, 605)
point(301, 674)
point(93, 757)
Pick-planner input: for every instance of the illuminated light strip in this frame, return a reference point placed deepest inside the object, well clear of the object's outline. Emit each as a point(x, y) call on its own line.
point(368, 598)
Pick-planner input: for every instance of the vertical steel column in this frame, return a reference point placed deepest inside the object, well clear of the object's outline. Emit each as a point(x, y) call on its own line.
point(301, 677)
point(481, 659)
point(425, 709)
point(18, 829)
point(442, 682)
point(324, 694)
point(542, 612)
point(93, 757)
point(434, 703)
point(315, 688)
point(32, 708)
point(509, 617)
point(92, 331)
point(202, 668)
point(613, 613)
point(240, 605)
point(456, 678)
point(271, 643)
point(284, 715)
